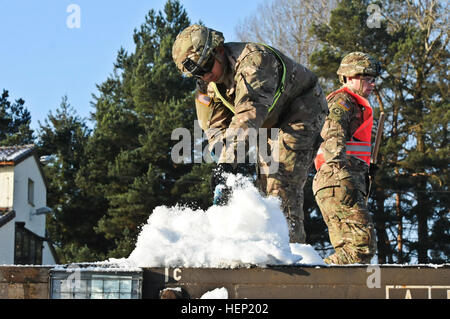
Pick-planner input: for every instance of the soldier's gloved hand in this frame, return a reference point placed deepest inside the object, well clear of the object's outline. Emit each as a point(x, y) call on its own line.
point(222, 194)
point(218, 183)
point(348, 191)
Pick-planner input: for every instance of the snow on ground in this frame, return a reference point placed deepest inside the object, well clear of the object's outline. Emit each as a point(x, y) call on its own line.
point(250, 230)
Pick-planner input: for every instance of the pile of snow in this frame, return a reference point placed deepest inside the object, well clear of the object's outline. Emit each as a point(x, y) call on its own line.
point(218, 293)
point(250, 230)
point(308, 254)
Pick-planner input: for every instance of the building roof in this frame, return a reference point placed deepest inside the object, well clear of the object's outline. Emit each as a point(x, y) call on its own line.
point(4, 210)
point(9, 155)
point(6, 214)
point(13, 155)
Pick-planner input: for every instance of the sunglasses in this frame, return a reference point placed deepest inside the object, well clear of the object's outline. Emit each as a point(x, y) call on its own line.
point(368, 79)
point(196, 70)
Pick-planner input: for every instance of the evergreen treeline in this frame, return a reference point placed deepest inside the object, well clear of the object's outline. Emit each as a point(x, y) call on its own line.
point(104, 182)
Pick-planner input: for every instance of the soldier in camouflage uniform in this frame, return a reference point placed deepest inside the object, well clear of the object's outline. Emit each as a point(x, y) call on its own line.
point(249, 85)
point(340, 185)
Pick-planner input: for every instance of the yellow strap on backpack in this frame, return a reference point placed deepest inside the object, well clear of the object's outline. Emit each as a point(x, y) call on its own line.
point(277, 95)
point(224, 101)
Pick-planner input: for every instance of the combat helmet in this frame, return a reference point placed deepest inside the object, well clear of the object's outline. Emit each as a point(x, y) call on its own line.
point(358, 63)
point(194, 47)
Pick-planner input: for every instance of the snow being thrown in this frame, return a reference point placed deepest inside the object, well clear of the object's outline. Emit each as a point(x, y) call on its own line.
point(250, 231)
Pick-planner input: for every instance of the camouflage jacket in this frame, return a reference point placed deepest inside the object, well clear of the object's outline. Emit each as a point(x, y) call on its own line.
point(345, 116)
point(250, 83)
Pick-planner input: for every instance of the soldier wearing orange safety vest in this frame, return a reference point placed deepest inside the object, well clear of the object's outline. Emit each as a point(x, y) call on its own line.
point(343, 161)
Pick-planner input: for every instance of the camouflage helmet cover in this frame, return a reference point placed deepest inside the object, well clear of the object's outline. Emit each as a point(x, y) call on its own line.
point(358, 63)
point(196, 42)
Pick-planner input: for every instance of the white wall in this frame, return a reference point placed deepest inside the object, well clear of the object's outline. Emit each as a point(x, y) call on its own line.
point(47, 257)
point(6, 186)
point(6, 200)
point(14, 193)
point(35, 223)
point(22, 171)
point(7, 243)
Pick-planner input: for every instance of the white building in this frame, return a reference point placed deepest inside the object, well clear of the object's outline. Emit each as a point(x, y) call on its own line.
point(23, 207)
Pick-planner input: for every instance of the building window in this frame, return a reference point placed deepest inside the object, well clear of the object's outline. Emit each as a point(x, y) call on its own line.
point(30, 192)
point(91, 283)
point(27, 247)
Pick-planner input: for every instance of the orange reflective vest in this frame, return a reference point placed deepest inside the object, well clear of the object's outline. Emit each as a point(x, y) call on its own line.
point(360, 143)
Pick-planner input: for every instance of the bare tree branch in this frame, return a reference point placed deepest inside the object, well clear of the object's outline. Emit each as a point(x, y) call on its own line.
point(285, 25)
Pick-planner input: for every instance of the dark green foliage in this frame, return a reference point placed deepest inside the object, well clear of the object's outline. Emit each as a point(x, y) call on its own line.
point(15, 122)
point(63, 138)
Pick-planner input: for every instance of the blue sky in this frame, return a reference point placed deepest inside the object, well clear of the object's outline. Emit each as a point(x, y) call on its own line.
point(42, 59)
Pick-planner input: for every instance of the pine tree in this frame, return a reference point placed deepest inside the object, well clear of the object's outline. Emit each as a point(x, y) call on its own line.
point(15, 121)
point(62, 138)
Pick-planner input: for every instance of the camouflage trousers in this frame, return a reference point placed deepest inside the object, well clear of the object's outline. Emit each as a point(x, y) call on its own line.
point(350, 229)
point(297, 145)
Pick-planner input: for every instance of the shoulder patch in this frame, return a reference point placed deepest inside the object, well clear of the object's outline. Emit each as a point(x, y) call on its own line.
point(341, 103)
point(204, 99)
point(336, 111)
